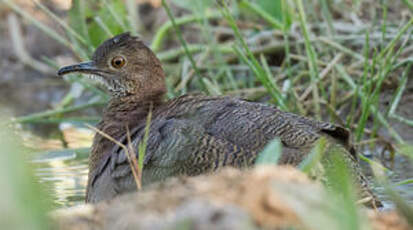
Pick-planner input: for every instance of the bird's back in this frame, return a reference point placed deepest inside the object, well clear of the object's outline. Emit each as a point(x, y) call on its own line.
point(251, 125)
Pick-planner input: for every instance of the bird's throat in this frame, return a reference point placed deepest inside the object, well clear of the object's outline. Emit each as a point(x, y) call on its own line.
point(130, 110)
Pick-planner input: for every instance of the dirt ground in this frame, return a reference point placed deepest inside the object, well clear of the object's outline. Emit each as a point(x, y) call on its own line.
point(228, 199)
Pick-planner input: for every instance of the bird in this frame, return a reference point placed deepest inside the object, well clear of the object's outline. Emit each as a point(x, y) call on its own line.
point(189, 135)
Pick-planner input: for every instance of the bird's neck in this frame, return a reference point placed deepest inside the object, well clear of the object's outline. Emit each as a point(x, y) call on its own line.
point(131, 109)
point(121, 113)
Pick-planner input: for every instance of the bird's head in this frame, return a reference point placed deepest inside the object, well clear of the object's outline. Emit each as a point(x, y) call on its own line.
point(125, 66)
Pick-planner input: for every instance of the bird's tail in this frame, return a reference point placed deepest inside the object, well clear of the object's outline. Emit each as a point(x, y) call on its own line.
point(336, 159)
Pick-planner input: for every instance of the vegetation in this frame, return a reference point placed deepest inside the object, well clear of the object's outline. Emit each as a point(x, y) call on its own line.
point(325, 59)
point(24, 203)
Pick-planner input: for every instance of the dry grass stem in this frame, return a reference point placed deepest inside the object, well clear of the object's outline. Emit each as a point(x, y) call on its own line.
point(323, 74)
point(135, 168)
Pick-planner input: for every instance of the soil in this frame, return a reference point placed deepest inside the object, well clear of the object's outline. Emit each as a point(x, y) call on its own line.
point(228, 199)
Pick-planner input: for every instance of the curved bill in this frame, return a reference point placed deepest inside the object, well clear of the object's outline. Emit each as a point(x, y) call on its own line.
point(83, 67)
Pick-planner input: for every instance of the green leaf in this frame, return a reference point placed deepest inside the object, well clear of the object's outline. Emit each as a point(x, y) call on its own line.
point(82, 19)
point(407, 150)
point(97, 33)
point(277, 13)
point(315, 156)
point(77, 18)
point(194, 6)
point(341, 184)
point(24, 201)
point(404, 182)
point(271, 153)
point(273, 7)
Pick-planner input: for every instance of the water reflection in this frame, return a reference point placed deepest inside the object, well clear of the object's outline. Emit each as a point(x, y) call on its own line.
point(64, 177)
point(63, 172)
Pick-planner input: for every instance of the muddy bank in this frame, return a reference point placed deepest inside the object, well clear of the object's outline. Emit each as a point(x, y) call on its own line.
point(261, 198)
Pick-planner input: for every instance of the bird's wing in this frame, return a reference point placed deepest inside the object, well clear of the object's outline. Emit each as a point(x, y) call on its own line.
point(251, 125)
point(174, 147)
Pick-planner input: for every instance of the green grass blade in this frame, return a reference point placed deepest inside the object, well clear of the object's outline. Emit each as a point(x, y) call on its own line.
point(271, 153)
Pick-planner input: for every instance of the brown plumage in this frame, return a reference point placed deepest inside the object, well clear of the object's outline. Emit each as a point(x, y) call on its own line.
point(189, 135)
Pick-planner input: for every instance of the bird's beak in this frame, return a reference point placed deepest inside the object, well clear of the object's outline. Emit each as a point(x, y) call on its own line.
point(83, 67)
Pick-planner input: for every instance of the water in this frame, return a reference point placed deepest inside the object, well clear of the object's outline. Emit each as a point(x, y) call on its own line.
point(64, 174)
point(401, 170)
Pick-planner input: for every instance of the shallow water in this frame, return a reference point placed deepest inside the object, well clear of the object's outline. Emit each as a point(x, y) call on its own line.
point(64, 174)
point(402, 170)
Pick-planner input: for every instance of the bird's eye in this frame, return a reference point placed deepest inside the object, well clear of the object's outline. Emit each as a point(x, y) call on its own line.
point(118, 62)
